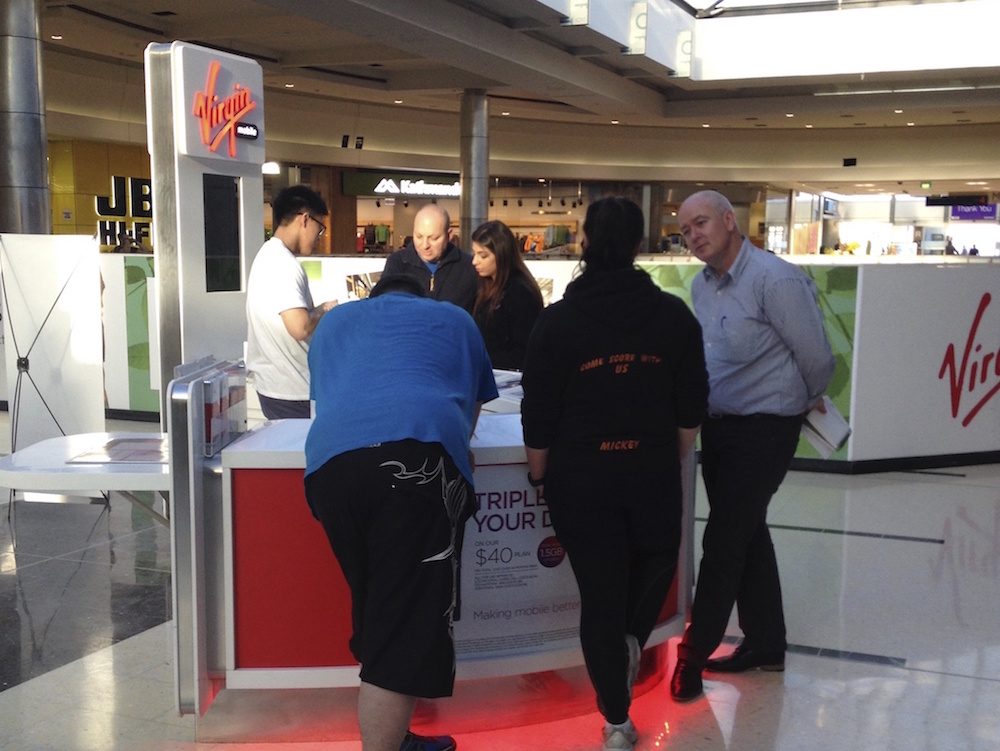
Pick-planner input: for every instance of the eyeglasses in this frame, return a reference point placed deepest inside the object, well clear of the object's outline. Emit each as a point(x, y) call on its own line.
point(322, 227)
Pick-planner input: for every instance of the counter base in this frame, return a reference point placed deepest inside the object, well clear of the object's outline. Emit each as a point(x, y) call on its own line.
point(330, 714)
point(895, 464)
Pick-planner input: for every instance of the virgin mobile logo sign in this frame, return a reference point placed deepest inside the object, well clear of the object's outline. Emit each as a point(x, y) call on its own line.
point(219, 119)
point(975, 379)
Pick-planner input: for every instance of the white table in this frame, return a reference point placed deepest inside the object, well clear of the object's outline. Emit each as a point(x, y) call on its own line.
point(78, 463)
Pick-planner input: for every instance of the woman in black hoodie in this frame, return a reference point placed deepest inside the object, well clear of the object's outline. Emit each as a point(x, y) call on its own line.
point(615, 390)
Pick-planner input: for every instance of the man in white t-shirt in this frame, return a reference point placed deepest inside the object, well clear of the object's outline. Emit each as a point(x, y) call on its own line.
point(281, 316)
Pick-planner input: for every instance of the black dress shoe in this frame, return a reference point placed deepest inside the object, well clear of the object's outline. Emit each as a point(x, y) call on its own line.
point(686, 683)
point(744, 659)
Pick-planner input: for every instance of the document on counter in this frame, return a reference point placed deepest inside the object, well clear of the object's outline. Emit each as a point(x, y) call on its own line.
point(510, 393)
point(126, 451)
point(828, 431)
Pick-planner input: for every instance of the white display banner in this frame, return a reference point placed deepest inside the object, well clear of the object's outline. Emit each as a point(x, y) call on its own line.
point(116, 368)
point(52, 336)
point(926, 369)
point(519, 596)
point(348, 278)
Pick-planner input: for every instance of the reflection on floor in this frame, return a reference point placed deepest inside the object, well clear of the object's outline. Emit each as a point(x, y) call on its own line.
point(891, 592)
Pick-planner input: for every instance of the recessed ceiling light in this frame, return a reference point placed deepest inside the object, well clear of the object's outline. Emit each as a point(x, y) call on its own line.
point(614, 122)
point(505, 113)
point(289, 85)
point(397, 101)
point(808, 126)
point(705, 125)
point(789, 114)
point(898, 112)
point(977, 182)
point(56, 37)
point(911, 124)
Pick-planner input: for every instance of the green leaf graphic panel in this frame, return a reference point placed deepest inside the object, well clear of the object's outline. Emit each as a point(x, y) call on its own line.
point(138, 276)
point(837, 288)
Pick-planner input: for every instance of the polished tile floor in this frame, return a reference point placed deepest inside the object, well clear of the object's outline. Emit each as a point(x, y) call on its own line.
point(892, 591)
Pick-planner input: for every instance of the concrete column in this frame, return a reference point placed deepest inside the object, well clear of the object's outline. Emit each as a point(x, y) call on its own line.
point(653, 196)
point(475, 155)
point(25, 204)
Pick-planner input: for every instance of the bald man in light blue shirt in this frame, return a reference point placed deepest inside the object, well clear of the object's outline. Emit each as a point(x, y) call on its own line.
point(769, 362)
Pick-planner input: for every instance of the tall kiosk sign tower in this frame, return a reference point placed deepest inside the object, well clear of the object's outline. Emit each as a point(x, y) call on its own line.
point(205, 123)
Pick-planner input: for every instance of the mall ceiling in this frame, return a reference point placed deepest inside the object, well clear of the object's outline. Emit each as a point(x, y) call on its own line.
point(533, 66)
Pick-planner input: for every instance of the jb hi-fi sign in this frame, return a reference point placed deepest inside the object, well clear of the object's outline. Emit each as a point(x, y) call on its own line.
point(128, 210)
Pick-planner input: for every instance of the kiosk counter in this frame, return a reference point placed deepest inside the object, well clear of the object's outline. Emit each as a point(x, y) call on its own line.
point(287, 606)
point(914, 339)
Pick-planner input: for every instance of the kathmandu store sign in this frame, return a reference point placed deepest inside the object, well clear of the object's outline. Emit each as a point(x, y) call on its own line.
point(400, 185)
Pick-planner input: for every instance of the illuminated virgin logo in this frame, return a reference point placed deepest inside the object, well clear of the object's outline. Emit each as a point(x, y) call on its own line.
point(219, 119)
point(976, 379)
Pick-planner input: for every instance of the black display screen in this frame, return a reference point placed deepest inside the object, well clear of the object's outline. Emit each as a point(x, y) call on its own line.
point(222, 233)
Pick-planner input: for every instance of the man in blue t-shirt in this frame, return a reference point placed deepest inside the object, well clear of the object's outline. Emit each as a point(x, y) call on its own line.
point(389, 475)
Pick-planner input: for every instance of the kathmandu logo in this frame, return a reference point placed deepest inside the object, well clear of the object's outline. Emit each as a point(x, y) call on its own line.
point(387, 186)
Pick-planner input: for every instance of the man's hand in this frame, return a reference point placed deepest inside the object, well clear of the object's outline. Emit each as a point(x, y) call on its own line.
point(819, 404)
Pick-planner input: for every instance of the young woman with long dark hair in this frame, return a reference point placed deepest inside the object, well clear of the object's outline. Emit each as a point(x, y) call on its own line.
point(509, 300)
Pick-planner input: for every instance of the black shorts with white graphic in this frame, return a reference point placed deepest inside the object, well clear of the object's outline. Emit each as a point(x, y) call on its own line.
point(394, 514)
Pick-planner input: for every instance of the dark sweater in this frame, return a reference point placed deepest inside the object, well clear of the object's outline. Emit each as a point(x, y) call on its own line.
point(612, 370)
point(507, 328)
point(455, 280)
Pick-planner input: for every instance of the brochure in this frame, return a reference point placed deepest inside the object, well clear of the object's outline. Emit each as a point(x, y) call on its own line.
point(826, 431)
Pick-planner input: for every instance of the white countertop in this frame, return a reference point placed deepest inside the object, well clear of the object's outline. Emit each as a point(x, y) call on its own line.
point(59, 465)
point(280, 444)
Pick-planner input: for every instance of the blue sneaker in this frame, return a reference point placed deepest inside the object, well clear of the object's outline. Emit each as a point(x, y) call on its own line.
point(414, 742)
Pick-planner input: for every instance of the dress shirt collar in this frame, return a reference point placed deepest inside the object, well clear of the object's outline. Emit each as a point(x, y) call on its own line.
point(733, 273)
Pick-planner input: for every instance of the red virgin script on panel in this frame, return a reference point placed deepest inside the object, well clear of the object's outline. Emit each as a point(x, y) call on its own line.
point(222, 117)
point(975, 378)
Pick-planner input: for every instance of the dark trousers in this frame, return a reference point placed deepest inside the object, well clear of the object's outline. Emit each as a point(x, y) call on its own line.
point(278, 409)
point(622, 535)
point(744, 460)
